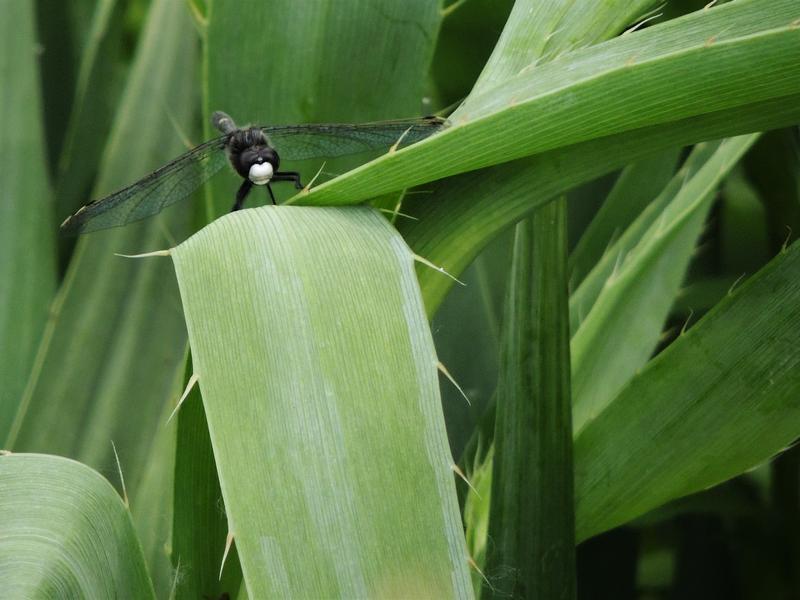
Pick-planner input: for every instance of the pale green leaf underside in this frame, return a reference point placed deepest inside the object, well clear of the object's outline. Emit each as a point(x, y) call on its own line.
point(318, 376)
point(65, 533)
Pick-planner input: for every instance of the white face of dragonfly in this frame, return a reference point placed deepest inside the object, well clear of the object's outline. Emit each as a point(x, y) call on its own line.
point(261, 173)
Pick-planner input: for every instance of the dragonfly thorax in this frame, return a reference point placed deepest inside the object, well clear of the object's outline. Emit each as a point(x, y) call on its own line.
point(251, 155)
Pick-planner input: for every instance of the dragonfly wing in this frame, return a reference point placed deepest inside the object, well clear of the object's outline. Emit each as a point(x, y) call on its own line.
point(148, 196)
point(329, 140)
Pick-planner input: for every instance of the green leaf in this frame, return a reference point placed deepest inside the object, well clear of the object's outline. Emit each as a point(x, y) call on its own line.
point(66, 533)
point(623, 326)
point(115, 345)
point(460, 215)
point(531, 521)
point(97, 89)
point(718, 401)
point(63, 29)
point(634, 189)
point(318, 377)
point(538, 31)
point(27, 249)
point(585, 295)
point(735, 56)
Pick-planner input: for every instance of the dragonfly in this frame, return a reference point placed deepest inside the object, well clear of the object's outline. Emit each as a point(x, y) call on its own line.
point(255, 153)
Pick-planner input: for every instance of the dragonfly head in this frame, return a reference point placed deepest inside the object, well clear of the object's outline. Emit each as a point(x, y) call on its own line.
point(252, 157)
point(258, 164)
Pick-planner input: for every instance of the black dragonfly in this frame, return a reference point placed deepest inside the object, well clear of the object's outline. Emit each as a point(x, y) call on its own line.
point(255, 153)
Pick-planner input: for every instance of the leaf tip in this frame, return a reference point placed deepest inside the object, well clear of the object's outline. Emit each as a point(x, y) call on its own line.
point(145, 255)
point(228, 542)
point(457, 470)
point(428, 263)
point(189, 385)
point(121, 477)
point(443, 370)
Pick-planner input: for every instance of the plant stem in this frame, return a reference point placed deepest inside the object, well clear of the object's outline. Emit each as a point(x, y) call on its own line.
point(531, 552)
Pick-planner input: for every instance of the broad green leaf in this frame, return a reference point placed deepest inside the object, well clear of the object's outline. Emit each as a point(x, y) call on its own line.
point(27, 249)
point(460, 215)
point(735, 56)
point(115, 343)
point(531, 520)
point(304, 70)
point(65, 533)
point(622, 329)
point(634, 189)
point(318, 377)
point(585, 295)
point(718, 401)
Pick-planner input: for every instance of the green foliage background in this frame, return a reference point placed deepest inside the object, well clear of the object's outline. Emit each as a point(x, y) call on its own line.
point(679, 216)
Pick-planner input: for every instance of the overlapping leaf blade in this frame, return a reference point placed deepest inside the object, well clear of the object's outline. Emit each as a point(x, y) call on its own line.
point(27, 246)
point(720, 400)
point(321, 394)
point(65, 533)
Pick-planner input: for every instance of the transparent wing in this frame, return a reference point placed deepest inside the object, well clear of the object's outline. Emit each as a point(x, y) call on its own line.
point(148, 196)
point(329, 140)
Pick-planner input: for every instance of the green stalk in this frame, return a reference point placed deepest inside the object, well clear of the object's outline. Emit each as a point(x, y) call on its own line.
point(531, 520)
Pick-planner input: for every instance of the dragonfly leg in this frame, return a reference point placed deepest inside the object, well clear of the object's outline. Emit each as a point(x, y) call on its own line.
point(244, 189)
point(288, 176)
point(271, 195)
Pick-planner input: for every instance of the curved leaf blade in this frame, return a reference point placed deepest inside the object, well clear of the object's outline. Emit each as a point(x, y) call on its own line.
point(65, 533)
point(732, 57)
point(625, 321)
point(718, 401)
point(318, 377)
point(27, 240)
